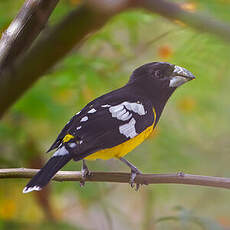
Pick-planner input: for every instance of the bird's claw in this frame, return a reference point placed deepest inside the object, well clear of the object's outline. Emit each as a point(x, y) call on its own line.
point(84, 174)
point(132, 179)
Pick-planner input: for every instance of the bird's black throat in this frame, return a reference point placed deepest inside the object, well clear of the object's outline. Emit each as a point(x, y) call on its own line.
point(157, 92)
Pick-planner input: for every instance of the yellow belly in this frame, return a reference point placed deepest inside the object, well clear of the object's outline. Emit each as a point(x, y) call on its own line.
point(122, 149)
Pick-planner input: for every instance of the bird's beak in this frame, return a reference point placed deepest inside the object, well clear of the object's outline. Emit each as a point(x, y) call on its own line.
point(180, 76)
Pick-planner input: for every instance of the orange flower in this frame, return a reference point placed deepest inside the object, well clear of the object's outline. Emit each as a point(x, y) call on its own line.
point(165, 52)
point(224, 221)
point(189, 6)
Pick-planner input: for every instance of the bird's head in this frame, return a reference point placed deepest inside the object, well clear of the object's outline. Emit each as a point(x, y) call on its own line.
point(162, 75)
point(158, 80)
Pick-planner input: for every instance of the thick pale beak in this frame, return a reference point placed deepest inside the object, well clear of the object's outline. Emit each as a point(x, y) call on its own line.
point(180, 76)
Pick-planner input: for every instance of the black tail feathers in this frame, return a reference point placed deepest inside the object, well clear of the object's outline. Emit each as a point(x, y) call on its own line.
point(46, 173)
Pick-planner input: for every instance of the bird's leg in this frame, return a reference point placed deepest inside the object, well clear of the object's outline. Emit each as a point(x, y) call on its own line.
point(84, 173)
point(134, 172)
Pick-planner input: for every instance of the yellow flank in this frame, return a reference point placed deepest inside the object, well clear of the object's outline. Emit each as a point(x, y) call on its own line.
point(124, 148)
point(67, 138)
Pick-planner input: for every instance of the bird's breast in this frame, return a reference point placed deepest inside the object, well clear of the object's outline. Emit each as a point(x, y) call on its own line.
point(122, 149)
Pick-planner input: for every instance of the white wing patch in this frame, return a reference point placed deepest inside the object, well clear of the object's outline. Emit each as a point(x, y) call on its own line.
point(135, 107)
point(105, 106)
point(121, 111)
point(72, 145)
point(129, 129)
point(85, 118)
point(92, 110)
point(61, 152)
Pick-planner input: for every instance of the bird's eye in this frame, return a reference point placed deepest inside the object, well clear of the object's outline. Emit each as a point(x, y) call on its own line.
point(158, 74)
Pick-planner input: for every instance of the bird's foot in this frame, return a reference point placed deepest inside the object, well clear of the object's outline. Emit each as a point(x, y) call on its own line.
point(134, 172)
point(84, 173)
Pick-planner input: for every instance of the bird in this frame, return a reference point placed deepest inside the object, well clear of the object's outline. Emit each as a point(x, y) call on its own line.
point(115, 123)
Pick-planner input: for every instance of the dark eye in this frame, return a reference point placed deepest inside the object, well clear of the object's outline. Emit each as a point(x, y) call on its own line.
point(158, 74)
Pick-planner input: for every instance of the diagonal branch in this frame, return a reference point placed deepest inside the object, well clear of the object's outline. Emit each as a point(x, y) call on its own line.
point(196, 20)
point(45, 53)
point(75, 27)
point(24, 29)
point(119, 177)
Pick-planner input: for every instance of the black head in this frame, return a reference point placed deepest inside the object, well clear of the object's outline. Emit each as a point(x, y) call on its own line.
point(158, 80)
point(162, 74)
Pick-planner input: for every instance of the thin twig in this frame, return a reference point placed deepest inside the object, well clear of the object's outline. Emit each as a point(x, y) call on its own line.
point(121, 177)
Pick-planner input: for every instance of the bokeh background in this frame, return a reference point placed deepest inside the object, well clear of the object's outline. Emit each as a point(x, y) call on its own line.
point(193, 135)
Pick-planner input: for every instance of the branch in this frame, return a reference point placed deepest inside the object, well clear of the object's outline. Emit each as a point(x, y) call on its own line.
point(196, 20)
point(46, 52)
point(119, 177)
point(24, 29)
point(72, 31)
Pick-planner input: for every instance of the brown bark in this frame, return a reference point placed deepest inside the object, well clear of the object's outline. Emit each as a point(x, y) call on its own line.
point(24, 29)
point(19, 76)
point(120, 177)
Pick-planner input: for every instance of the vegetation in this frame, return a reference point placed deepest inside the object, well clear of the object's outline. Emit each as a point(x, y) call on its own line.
point(192, 136)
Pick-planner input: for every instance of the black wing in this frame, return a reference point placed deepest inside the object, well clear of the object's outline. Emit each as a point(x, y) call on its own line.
point(62, 134)
point(106, 122)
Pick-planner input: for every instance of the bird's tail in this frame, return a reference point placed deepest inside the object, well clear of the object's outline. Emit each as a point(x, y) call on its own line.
point(46, 173)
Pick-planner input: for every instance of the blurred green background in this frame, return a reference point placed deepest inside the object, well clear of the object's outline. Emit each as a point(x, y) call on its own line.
point(193, 135)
